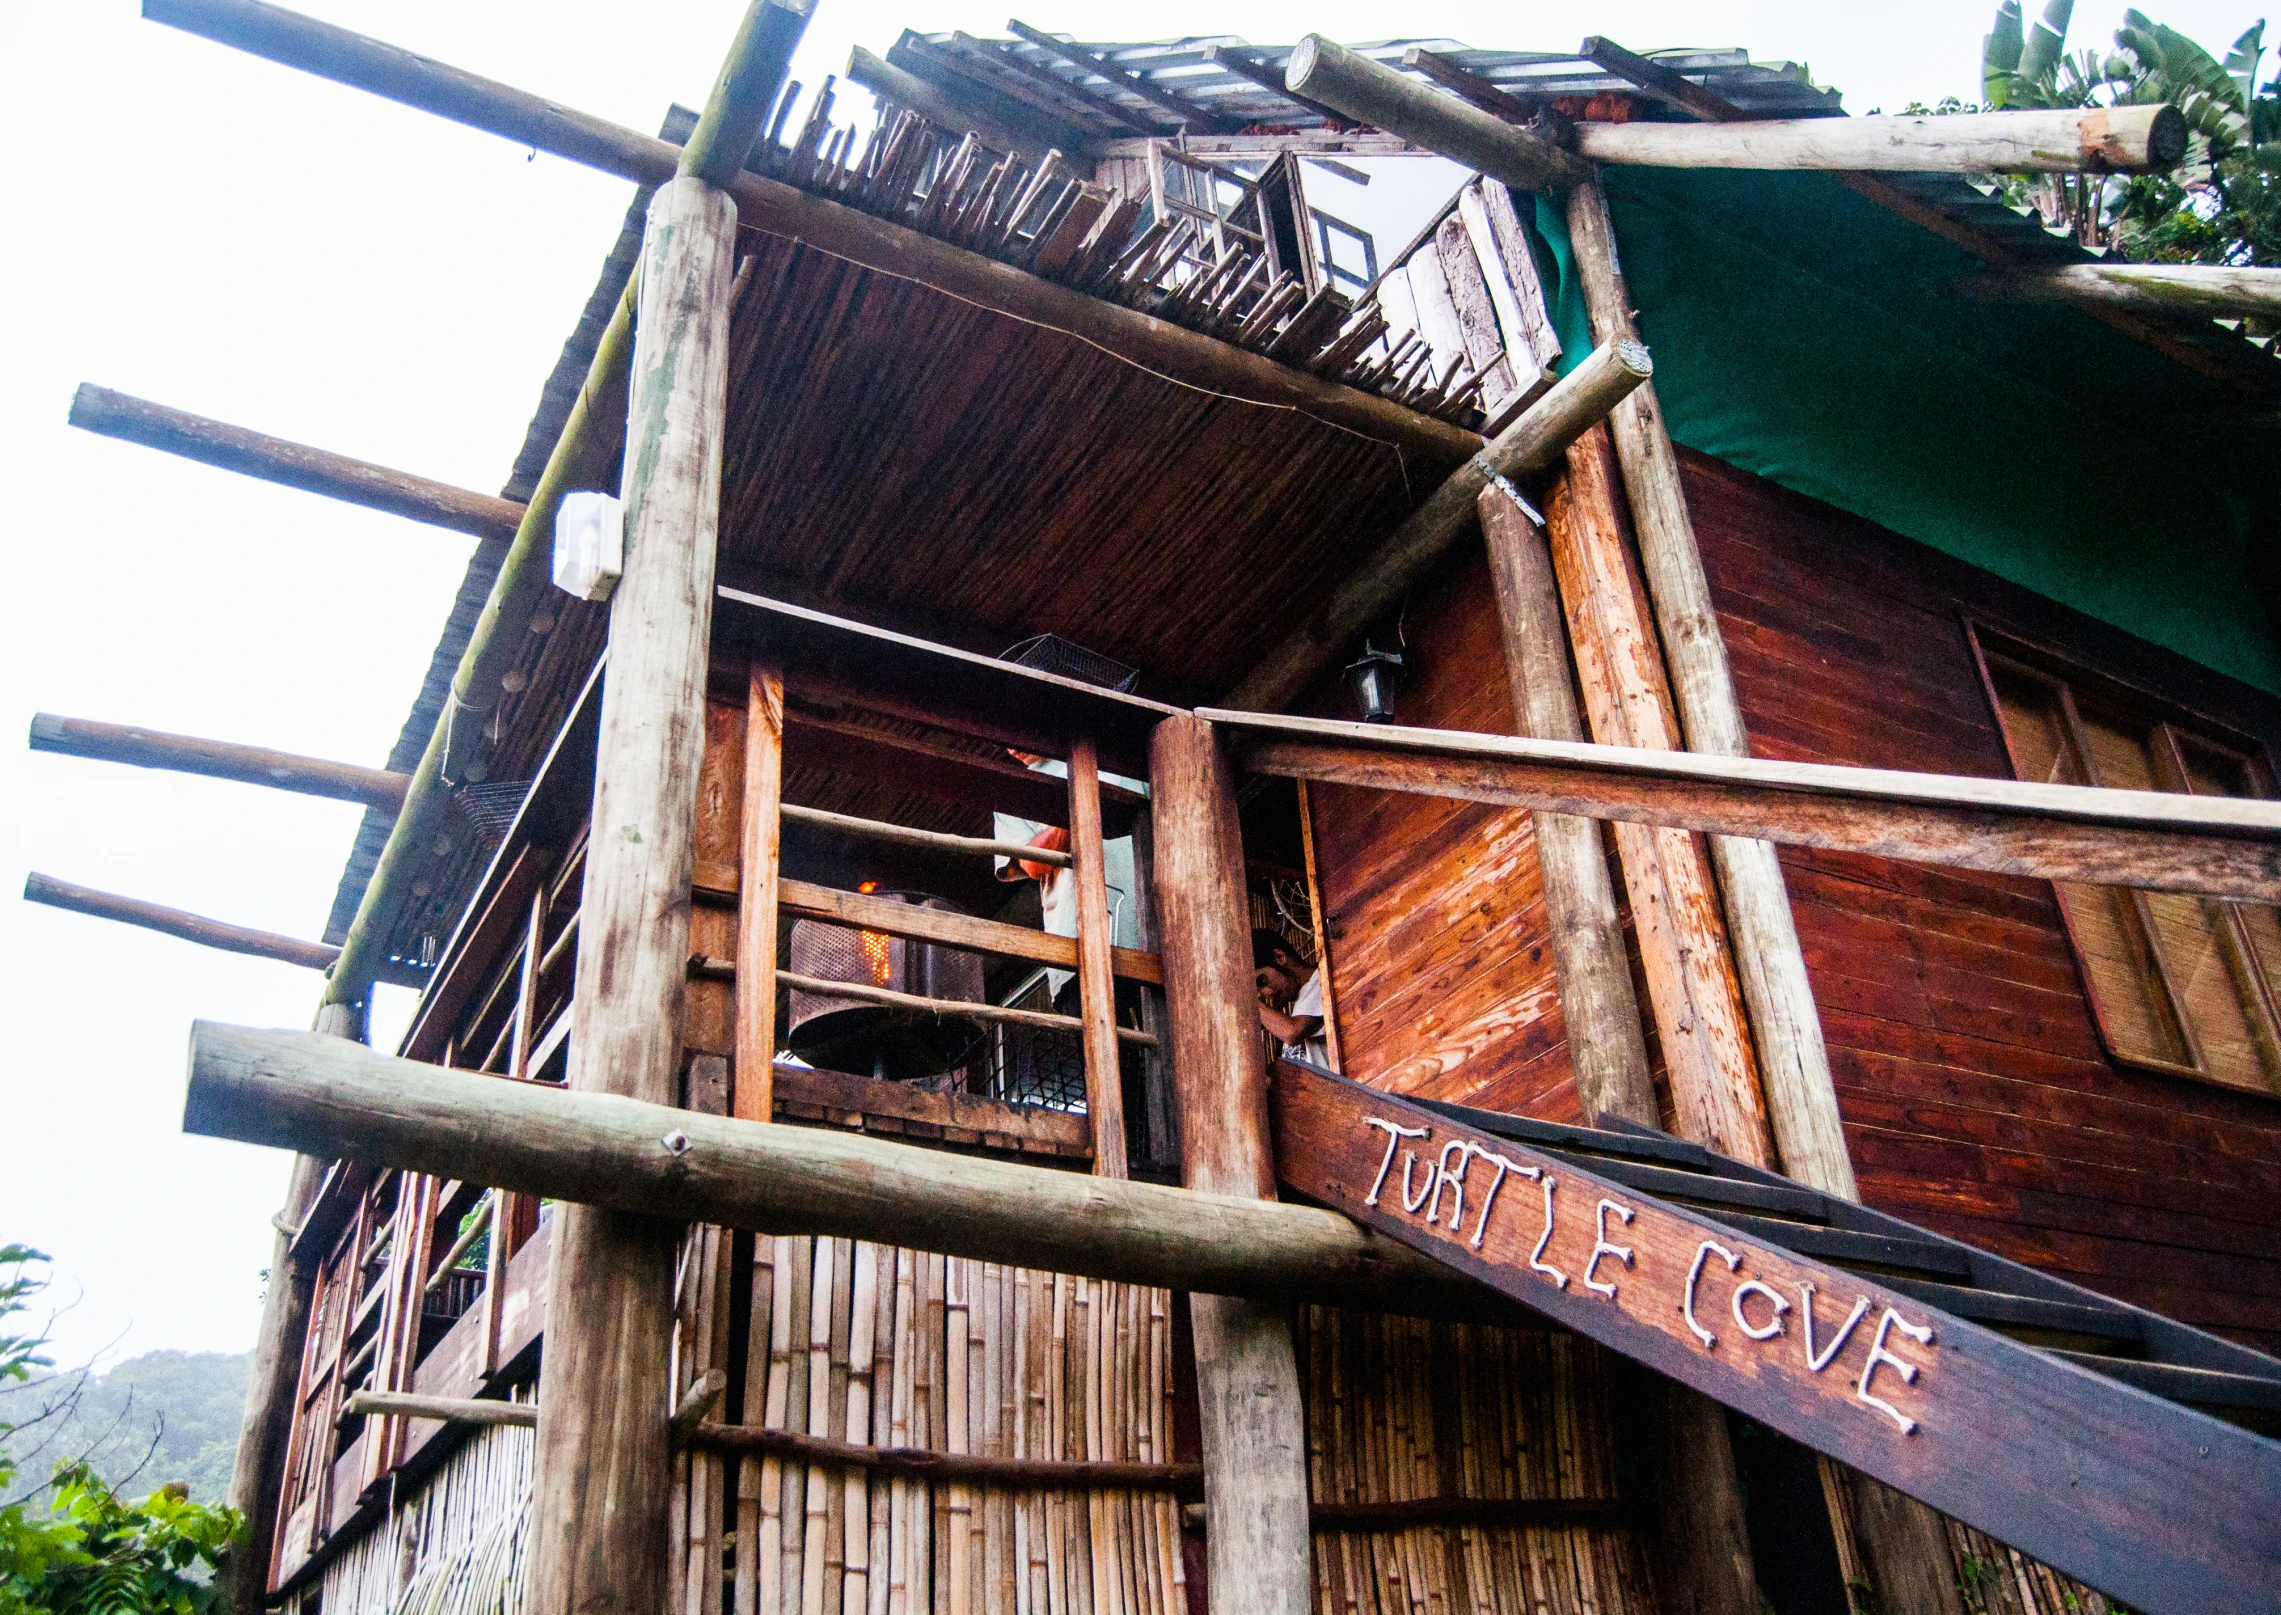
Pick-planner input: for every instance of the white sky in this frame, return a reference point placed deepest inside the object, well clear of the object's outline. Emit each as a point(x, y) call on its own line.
point(220, 234)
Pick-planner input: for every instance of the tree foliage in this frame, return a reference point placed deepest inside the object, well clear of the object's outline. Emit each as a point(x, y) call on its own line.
point(2223, 203)
point(72, 1545)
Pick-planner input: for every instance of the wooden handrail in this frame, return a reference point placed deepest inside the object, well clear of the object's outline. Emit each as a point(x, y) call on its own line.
point(907, 836)
point(954, 1008)
point(2154, 840)
point(1043, 1474)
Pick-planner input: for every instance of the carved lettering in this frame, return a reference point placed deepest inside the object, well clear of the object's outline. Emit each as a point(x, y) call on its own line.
point(1773, 1325)
point(1414, 1203)
point(1463, 1149)
point(1394, 1137)
point(1817, 1361)
point(1537, 1263)
point(1601, 1247)
point(1694, 1276)
point(1922, 1334)
point(1498, 1182)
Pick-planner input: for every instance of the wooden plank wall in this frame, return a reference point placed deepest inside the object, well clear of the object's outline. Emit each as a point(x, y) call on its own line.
point(1976, 1095)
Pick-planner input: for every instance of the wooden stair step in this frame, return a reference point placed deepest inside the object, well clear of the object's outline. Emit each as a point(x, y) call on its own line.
point(2000, 1310)
point(1848, 1248)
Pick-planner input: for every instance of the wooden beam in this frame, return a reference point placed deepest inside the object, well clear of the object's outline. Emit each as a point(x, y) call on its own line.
point(1254, 1424)
point(2142, 1499)
point(1673, 89)
point(954, 930)
point(1096, 984)
point(1182, 110)
point(1373, 93)
point(1062, 92)
point(296, 465)
point(973, 1009)
point(1532, 444)
point(448, 1409)
point(1468, 85)
point(2071, 140)
point(765, 204)
point(601, 1479)
point(197, 928)
point(2158, 291)
point(217, 759)
point(925, 1463)
point(331, 1098)
point(1605, 1043)
point(932, 840)
point(881, 1105)
point(1245, 66)
point(940, 107)
point(760, 891)
point(2221, 846)
point(751, 78)
point(1794, 1066)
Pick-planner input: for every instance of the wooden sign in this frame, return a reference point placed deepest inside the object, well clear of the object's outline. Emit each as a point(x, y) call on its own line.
point(2159, 1505)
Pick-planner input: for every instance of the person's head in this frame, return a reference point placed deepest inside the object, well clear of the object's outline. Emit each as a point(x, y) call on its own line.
point(1275, 968)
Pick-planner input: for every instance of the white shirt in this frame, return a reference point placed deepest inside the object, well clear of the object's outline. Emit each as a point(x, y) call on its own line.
point(1315, 1049)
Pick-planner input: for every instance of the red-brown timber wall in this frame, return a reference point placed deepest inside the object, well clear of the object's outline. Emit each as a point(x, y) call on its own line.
point(1977, 1097)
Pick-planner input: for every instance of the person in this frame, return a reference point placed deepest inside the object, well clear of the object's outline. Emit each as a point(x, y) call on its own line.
point(1290, 1000)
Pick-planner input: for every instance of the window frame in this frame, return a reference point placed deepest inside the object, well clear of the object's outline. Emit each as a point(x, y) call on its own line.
point(2171, 726)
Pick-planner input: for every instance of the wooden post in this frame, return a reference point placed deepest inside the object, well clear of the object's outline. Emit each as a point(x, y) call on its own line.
point(1096, 987)
point(1801, 1098)
point(763, 839)
point(1902, 1540)
point(1702, 1540)
point(1254, 1427)
point(603, 1475)
point(1690, 978)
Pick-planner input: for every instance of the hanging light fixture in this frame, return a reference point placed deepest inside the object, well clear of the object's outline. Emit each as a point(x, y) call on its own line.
point(1372, 681)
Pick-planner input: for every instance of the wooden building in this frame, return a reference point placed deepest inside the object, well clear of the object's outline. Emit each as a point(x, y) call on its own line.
point(1824, 846)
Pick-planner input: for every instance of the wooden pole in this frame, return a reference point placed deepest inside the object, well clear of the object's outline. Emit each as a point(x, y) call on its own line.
point(1800, 1094)
point(602, 1474)
point(907, 90)
point(273, 459)
point(2069, 140)
point(752, 74)
point(2162, 291)
point(1532, 444)
point(758, 891)
point(257, 1473)
point(196, 928)
point(765, 204)
point(1702, 1539)
point(1096, 985)
point(1254, 1425)
point(218, 759)
point(1596, 998)
point(293, 1090)
point(1373, 93)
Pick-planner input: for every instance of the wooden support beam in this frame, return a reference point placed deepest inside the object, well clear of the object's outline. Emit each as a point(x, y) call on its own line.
point(1373, 93)
point(2221, 846)
point(1096, 983)
point(925, 1463)
point(1699, 1530)
point(759, 892)
point(296, 465)
point(329, 1098)
point(2158, 291)
point(217, 759)
point(1246, 66)
point(449, 1409)
point(601, 1479)
point(752, 75)
point(1800, 1094)
point(1254, 1426)
point(1181, 109)
point(197, 928)
point(931, 840)
point(1605, 1042)
point(1673, 89)
point(765, 204)
point(2070, 140)
point(1468, 85)
point(1532, 444)
point(941, 107)
point(950, 1008)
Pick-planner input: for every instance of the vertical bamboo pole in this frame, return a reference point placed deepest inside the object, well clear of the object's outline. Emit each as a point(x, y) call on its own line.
point(1096, 987)
point(763, 839)
point(602, 1475)
point(1254, 1428)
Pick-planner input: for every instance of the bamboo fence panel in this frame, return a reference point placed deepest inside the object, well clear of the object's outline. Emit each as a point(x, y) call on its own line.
point(458, 1546)
point(1401, 1410)
point(880, 1346)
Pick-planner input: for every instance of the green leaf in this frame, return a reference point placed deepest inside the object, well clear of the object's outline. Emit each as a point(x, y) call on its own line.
point(2000, 54)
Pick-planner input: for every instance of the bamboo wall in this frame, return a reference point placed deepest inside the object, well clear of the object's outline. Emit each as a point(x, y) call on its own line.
point(1401, 1410)
point(455, 1547)
point(879, 1346)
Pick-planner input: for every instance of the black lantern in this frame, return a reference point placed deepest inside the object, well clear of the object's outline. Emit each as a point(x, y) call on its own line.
point(1372, 681)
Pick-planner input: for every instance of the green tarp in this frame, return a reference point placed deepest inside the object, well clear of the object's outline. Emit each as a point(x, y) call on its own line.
point(1805, 335)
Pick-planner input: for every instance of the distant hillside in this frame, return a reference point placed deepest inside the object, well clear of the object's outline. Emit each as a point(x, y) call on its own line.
point(187, 1403)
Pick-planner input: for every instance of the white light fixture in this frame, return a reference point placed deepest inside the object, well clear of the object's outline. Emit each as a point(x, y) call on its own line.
point(589, 544)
